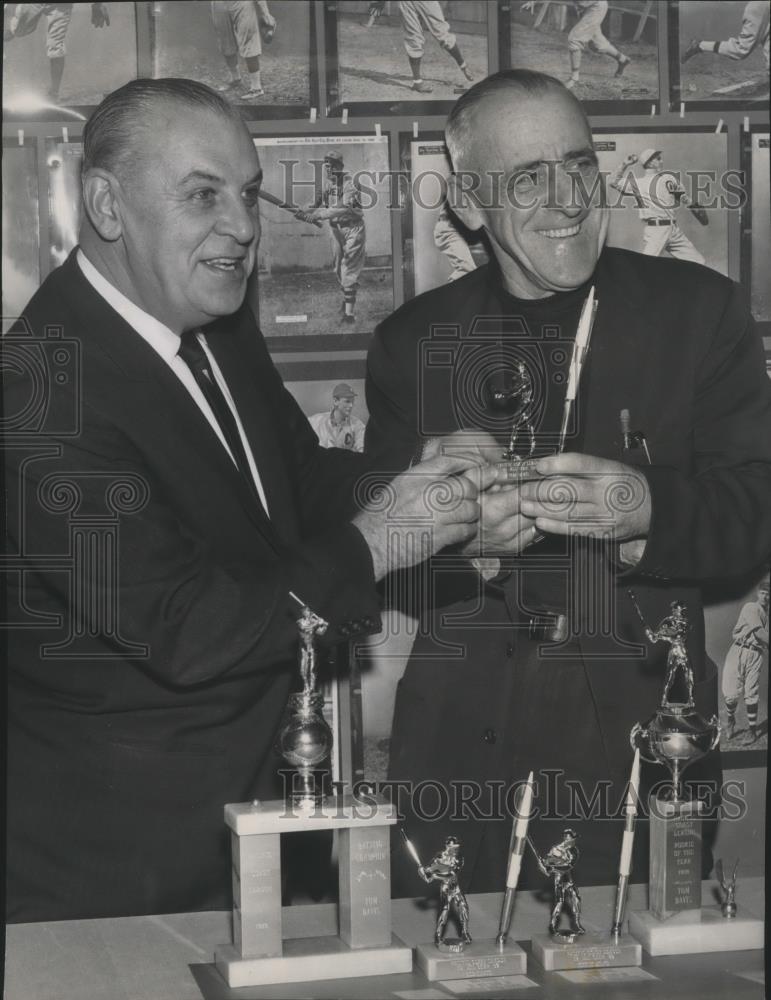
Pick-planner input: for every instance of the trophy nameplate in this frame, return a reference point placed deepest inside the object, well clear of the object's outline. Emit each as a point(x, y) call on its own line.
point(592, 950)
point(477, 960)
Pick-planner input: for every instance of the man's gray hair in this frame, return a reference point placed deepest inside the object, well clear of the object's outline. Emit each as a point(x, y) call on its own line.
point(460, 122)
point(112, 135)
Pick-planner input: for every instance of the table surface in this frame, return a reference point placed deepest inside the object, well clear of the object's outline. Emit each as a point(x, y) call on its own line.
point(169, 957)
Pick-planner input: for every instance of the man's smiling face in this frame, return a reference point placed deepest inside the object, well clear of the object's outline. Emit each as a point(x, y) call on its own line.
point(190, 223)
point(545, 236)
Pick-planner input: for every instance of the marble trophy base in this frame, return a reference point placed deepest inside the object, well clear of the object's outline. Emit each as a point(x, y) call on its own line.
point(308, 959)
point(587, 951)
point(476, 960)
point(693, 932)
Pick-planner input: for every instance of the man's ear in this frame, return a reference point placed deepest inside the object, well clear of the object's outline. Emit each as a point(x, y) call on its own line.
point(102, 204)
point(462, 202)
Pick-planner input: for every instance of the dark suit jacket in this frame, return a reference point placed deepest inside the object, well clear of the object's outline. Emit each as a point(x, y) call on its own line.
point(154, 642)
point(673, 344)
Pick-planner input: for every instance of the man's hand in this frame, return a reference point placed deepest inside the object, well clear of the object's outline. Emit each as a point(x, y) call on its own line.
point(502, 526)
point(100, 16)
point(423, 510)
point(579, 493)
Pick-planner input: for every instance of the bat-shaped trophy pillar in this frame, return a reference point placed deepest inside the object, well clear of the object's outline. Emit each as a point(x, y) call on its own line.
point(359, 942)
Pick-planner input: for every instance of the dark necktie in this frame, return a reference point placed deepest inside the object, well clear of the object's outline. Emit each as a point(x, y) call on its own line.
point(194, 356)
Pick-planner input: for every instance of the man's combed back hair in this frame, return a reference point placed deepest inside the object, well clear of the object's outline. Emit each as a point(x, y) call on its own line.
point(112, 136)
point(460, 121)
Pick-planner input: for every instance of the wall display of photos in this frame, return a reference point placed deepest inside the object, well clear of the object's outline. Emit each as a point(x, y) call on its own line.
point(259, 55)
point(60, 57)
point(307, 262)
point(21, 246)
point(660, 210)
point(437, 247)
point(719, 51)
point(407, 56)
point(608, 53)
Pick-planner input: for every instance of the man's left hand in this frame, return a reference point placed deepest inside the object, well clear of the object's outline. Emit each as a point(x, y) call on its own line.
point(579, 493)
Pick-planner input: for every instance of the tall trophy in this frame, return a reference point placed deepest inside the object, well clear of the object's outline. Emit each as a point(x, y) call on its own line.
point(260, 953)
point(676, 735)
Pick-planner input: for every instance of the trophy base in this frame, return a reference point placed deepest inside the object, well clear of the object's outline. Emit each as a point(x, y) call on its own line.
point(588, 951)
point(694, 932)
point(478, 959)
point(308, 959)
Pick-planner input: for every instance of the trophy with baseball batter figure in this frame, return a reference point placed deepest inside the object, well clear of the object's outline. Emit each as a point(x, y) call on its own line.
point(676, 735)
point(459, 958)
point(363, 945)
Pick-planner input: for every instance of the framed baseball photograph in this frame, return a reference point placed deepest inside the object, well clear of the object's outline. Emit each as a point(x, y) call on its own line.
point(324, 275)
point(606, 53)
point(61, 58)
point(756, 230)
point(403, 56)
point(718, 52)
point(736, 640)
point(260, 55)
point(63, 161)
point(437, 247)
point(21, 231)
point(670, 193)
point(331, 395)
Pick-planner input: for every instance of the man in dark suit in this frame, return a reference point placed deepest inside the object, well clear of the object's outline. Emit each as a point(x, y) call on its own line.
point(530, 653)
point(165, 495)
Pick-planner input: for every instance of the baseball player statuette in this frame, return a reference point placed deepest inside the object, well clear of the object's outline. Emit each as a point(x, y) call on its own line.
point(676, 735)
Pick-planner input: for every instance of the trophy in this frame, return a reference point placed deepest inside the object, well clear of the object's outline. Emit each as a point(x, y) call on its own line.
point(574, 947)
point(459, 958)
point(260, 953)
point(676, 735)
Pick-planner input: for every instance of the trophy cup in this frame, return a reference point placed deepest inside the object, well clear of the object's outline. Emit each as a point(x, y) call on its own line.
point(365, 946)
point(575, 947)
point(459, 958)
point(676, 735)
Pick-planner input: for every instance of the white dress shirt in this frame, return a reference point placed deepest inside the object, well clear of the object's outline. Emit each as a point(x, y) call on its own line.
point(166, 344)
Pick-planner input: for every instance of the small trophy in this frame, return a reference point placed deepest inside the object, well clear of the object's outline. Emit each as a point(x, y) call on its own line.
point(459, 958)
point(574, 947)
point(260, 953)
point(676, 735)
point(728, 905)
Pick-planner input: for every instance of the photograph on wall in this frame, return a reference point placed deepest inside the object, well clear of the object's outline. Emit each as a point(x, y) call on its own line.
point(719, 51)
point(670, 193)
point(437, 246)
point(62, 56)
point(736, 639)
point(334, 403)
point(63, 161)
point(398, 52)
point(21, 235)
point(605, 53)
point(324, 267)
point(758, 227)
point(255, 53)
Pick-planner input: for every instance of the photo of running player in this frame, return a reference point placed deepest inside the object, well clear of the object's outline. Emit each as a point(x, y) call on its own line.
point(722, 50)
point(62, 55)
point(409, 50)
point(657, 184)
point(324, 264)
point(602, 52)
point(256, 52)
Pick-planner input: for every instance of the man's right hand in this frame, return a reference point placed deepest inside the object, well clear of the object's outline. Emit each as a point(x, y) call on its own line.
point(502, 528)
point(423, 510)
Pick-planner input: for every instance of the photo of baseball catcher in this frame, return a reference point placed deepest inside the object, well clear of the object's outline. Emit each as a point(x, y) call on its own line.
point(657, 184)
point(252, 51)
point(601, 54)
point(410, 49)
point(64, 54)
point(659, 195)
point(324, 261)
point(724, 50)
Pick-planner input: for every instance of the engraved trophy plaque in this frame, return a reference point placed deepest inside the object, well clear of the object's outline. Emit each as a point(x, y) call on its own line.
point(676, 735)
point(260, 953)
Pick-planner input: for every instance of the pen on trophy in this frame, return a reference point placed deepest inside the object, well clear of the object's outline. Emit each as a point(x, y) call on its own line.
point(627, 843)
point(516, 851)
